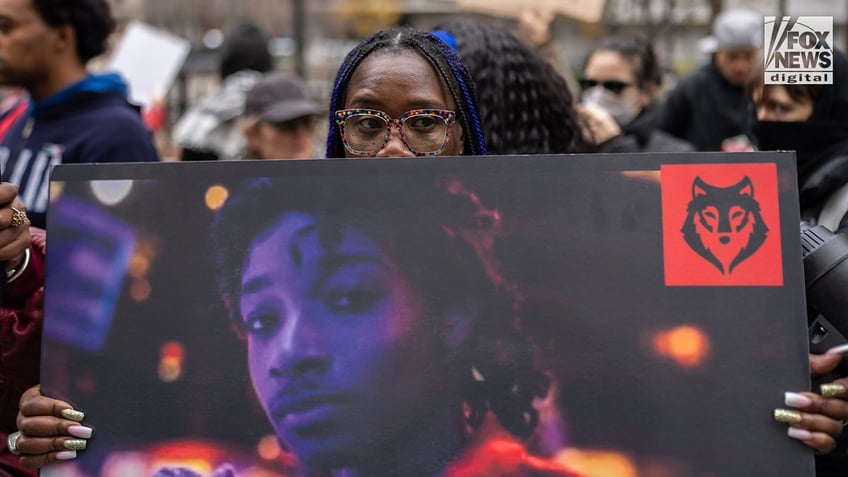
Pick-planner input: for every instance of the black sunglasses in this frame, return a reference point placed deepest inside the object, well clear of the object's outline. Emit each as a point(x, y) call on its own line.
point(614, 86)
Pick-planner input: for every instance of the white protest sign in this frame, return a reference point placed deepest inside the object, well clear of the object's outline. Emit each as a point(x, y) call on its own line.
point(589, 11)
point(149, 60)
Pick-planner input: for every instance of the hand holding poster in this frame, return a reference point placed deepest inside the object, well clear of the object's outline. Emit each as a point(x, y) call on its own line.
point(473, 316)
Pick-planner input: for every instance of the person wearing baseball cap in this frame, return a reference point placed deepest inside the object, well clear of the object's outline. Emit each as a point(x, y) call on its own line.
point(709, 108)
point(279, 118)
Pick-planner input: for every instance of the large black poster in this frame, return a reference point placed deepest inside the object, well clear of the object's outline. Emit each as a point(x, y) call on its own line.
point(616, 315)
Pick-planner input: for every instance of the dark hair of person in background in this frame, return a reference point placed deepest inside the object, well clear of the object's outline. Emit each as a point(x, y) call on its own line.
point(798, 92)
point(443, 60)
point(442, 240)
point(525, 105)
point(245, 47)
point(637, 49)
point(91, 20)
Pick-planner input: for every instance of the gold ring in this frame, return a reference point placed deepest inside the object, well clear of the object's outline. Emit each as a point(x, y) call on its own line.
point(19, 217)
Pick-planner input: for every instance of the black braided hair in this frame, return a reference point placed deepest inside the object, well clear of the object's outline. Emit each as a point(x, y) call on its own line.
point(91, 20)
point(525, 105)
point(443, 238)
point(637, 50)
point(439, 55)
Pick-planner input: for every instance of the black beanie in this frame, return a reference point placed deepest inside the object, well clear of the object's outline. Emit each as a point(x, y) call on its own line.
point(245, 48)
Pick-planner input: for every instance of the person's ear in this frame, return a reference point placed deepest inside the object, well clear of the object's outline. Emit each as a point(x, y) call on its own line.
point(457, 324)
point(65, 38)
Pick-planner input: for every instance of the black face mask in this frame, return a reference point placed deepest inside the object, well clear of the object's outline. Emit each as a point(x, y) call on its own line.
point(811, 139)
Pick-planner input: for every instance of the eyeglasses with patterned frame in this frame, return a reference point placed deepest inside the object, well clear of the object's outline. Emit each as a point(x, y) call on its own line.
point(425, 132)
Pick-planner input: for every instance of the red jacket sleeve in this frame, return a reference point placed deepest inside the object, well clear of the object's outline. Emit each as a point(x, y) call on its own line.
point(20, 333)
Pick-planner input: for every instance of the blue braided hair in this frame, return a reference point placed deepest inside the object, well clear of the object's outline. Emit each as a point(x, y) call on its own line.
point(443, 59)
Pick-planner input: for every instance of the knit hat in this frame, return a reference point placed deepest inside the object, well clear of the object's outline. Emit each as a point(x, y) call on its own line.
point(245, 48)
point(735, 29)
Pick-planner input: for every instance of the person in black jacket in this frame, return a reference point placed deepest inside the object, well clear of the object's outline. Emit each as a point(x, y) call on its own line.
point(709, 108)
point(620, 79)
point(813, 121)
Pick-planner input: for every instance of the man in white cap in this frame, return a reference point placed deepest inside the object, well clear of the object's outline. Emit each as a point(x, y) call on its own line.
point(279, 119)
point(709, 108)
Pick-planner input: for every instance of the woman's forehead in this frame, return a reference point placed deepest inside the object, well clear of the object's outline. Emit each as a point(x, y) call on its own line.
point(298, 238)
point(609, 62)
point(399, 80)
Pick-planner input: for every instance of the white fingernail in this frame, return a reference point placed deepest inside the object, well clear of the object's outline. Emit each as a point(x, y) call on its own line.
point(837, 349)
point(800, 434)
point(66, 455)
point(797, 400)
point(85, 432)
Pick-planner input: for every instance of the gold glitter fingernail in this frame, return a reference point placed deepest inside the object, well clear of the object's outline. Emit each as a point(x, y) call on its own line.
point(75, 444)
point(786, 416)
point(73, 415)
point(833, 390)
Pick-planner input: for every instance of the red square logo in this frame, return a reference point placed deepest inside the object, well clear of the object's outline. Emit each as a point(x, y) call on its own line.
point(721, 225)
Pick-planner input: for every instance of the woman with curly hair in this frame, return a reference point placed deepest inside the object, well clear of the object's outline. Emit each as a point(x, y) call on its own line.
point(525, 105)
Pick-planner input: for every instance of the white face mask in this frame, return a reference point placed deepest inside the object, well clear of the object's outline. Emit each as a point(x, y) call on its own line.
point(620, 109)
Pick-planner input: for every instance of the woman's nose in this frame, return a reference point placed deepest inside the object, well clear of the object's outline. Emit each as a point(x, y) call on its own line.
point(394, 147)
point(301, 347)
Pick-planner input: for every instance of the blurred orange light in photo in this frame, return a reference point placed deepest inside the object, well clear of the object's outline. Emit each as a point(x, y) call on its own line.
point(686, 345)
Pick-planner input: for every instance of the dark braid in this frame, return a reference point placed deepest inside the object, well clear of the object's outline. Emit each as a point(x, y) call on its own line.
point(443, 60)
point(525, 105)
point(466, 83)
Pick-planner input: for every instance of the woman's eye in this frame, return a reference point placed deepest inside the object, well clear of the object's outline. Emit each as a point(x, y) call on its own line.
point(260, 322)
point(371, 123)
point(352, 300)
point(421, 123)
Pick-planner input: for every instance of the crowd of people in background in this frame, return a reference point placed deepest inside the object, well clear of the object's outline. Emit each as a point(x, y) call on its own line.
point(487, 91)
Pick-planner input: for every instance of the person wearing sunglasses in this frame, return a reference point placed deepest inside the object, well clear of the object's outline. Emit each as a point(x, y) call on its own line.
point(620, 79)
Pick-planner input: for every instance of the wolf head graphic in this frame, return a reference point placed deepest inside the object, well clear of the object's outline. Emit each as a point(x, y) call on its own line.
point(724, 224)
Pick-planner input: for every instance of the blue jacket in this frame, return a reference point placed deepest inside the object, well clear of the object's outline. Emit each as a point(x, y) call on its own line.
point(90, 121)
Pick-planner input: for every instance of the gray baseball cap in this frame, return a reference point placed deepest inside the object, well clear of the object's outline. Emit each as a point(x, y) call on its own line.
point(735, 29)
point(279, 97)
